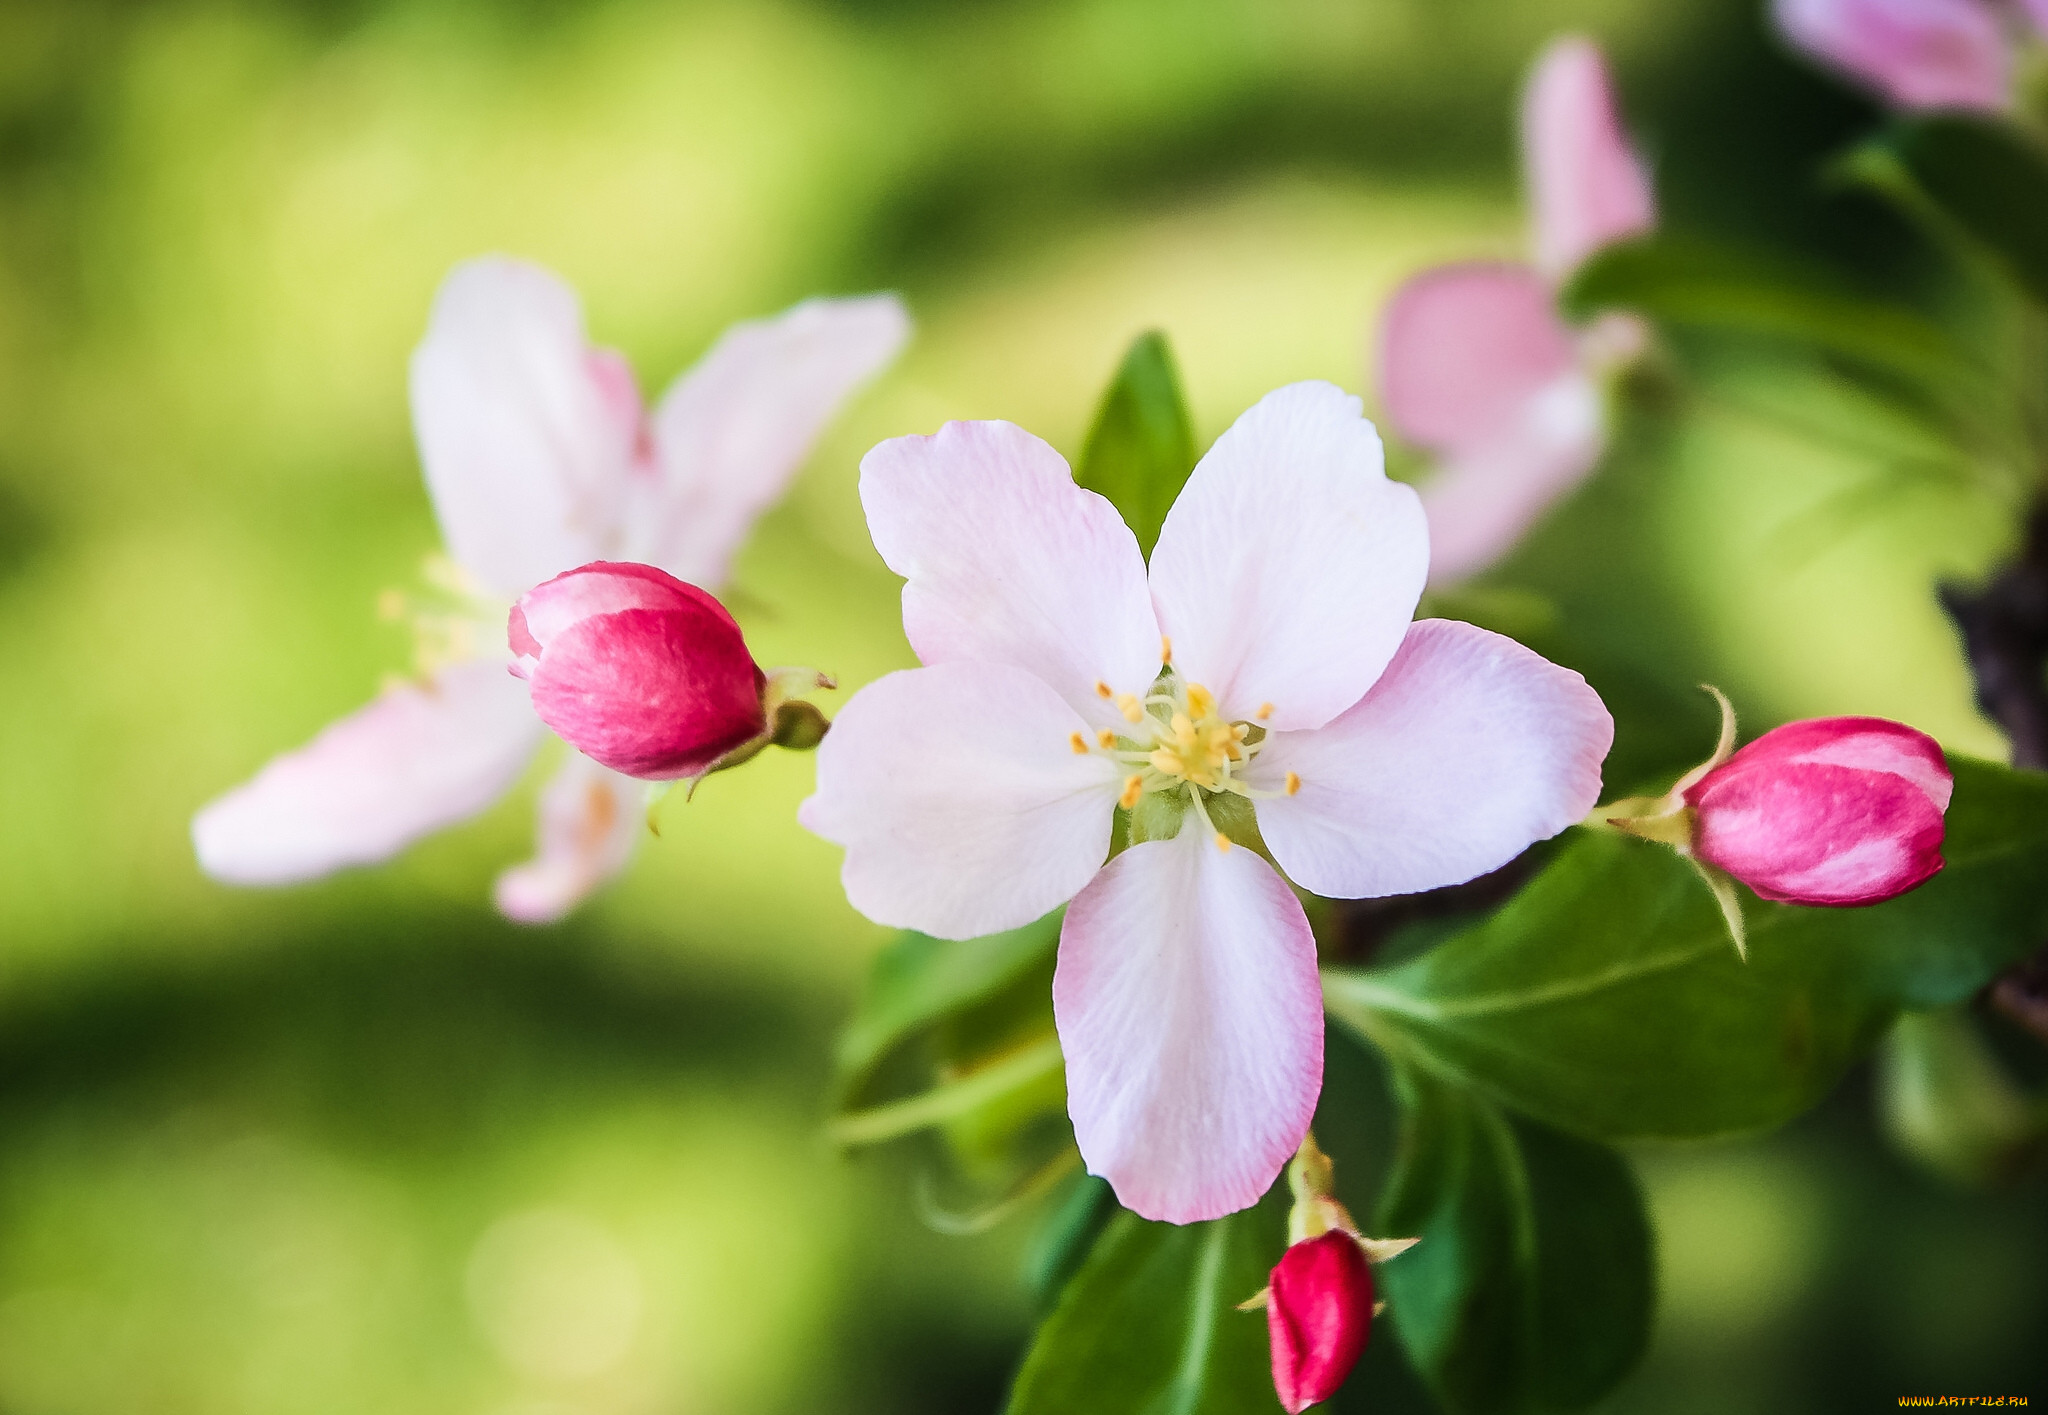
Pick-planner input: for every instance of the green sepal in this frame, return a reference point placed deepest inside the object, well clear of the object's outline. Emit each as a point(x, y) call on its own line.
point(1142, 445)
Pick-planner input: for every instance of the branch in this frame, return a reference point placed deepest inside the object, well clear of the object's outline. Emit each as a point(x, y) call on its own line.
point(2005, 640)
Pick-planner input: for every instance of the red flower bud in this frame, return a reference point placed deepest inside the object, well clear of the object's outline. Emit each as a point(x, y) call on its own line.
point(1840, 810)
point(638, 670)
point(1318, 1313)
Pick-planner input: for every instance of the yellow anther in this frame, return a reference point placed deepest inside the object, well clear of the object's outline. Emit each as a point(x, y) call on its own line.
point(1166, 649)
point(1233, 751)
point(1102, 689)
point(1201, 702)
point(1128, 705)
point(1105, 739)
point(1134, 787)
point(1222, 842)
point(1293, 783)
point(1265, 711)
point(1239, 731)
point(1167, 762)
point(1078, 743)
point(1182, 729)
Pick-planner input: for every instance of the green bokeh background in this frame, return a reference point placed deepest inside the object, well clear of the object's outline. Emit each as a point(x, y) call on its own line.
point(362, 1146)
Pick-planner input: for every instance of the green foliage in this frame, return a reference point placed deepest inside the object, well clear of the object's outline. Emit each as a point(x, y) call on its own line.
point(1676, 280)
point(1606, 998)
point(1142, 446)
point(918, 982)
point(1533, 1283)
point(1150, 1326)
point(1982, 179)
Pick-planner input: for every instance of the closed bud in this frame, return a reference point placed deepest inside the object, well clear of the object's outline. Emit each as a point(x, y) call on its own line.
point(1837, 811)
point(639, 671)
point(1319, 1311)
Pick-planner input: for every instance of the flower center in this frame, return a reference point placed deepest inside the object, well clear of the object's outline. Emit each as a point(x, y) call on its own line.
point(453, 619)
point(1180, 745)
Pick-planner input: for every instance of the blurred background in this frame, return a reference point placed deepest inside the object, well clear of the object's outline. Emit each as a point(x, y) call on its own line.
point(363, 1146)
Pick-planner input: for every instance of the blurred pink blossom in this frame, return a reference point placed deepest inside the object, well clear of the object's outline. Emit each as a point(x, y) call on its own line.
point(1917, 54)
point(1267, 663)
point(1475, 364)
point(539, 458)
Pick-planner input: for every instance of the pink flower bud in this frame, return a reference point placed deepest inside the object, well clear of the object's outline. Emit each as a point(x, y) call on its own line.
point(638, 670)
point(1318, 1313)
point(1840, 810)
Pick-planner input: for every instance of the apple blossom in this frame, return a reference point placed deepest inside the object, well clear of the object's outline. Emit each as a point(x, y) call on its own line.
point(1475, 364)
point(1260, 689)
point(539, 457)
point(1917, 54)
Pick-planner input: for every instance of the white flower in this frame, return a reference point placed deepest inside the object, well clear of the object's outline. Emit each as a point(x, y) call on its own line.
point(1267, 661)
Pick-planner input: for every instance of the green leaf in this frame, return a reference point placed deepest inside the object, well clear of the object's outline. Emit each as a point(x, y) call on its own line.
point(1677, 281)
point(1605, 998)
point(918, 982)
point(1067, 1234)
point(1142, 447)
point(1982, 178)
point(1150, 1326)
point(1532, 1286)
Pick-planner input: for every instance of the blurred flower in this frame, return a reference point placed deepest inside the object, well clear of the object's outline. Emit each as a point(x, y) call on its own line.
point(635, 669)
point(1838, 810)
point(1475, 364)
point(977, 793)
point(539, 457)
point(1955, 54)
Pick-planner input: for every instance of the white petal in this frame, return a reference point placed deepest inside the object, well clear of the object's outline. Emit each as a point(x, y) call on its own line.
point(1191, 1017)
point(590, 819)
point(732, 432)
point(1290, 566)
point(1009, 562)
point(1470, 749)
point(961, 802)
point(522, 430)
point(1483, 499)
point(416, 760)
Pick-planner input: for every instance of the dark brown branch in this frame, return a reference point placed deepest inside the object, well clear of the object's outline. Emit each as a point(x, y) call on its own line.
point(2005, 639)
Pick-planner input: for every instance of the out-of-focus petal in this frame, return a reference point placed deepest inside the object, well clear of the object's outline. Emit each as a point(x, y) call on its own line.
point(961, 802)
point(733, 431)
point(522, 433)
point(590, 819)
point(1483, 499)
point(1007, 561)
point(1463, 350)
point(2036, 12)
point(419, 758)
point(1287, 571)
point(1468, 750)
point(1587, 186)
point(1191, 1017)
point(1915, 53)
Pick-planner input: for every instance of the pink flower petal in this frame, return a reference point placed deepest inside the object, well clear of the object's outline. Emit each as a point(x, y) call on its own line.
point(1288, 570)
point(1318, 1317)
point(1915, 53)
point(523, 434)
point(417, 759)
point(590, 820)
point(1468, 750)
point(732, 432)
point(1866, 743)
point(1009, 562)
point(1482, 500)
point(961, 802)
point(1464, 350)
point(1191, 1016)
point(2036, 12)
point(1587, 186)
